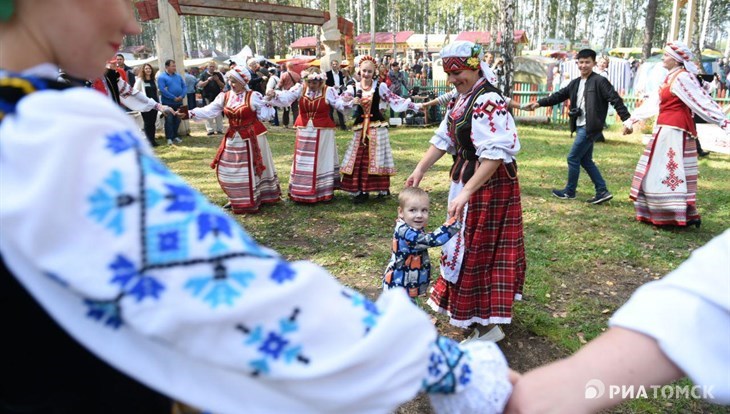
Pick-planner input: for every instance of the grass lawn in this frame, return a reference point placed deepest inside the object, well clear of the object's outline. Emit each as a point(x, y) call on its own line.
point(584, 261)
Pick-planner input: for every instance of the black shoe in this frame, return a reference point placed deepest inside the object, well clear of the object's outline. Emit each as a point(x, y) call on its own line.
point(211, 133)
point(383, 194)
point(227, 206)
point(600, 198)
point(563, 195)
point(361, 198)
point(703, 153)
point(694, 222)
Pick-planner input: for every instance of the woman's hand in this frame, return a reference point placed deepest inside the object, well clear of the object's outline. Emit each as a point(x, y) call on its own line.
point(271, 94)
point(356, 101)
point(414, 179)
point(456, 206)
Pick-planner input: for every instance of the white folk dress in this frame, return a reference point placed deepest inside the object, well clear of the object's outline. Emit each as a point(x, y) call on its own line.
point(315, 173)
point(244, 164)
point(664, 187)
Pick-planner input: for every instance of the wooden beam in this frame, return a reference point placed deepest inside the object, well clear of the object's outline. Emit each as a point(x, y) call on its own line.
point(203, 11)
point(238, 5)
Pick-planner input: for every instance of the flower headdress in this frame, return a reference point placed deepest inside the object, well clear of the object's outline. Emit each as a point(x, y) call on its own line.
point(367, 58)
point(462, 55)
point(312, 76)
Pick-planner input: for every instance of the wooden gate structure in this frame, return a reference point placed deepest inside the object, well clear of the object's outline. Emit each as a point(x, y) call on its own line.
point(150, 10)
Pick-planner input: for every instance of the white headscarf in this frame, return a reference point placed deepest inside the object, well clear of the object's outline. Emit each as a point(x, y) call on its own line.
point(681, 53)
point(242, 75)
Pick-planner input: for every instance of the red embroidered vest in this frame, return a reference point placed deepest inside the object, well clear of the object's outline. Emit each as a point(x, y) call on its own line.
point(243, 118)
point(672, 111)
point(317, 109)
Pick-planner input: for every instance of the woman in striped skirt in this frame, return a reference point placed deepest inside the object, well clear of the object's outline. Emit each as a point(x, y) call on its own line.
point(368, 162)
point(315, 172)
point(664, 188)
point(244, 165)
point(483, 266)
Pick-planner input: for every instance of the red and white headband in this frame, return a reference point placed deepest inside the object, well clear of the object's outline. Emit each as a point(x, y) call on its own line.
point(681, 53)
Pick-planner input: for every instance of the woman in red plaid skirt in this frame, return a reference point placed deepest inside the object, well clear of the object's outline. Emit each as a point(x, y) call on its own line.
point(482, 267)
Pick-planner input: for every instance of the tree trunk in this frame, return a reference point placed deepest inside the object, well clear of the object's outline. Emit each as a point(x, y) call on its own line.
point(649, 28)
point(705, 21)
point(508, 44)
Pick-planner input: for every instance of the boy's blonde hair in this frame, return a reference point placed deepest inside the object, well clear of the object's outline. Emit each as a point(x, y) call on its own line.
point(410, 193)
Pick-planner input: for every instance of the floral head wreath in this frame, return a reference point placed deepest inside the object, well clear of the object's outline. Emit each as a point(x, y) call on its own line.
point(462, 56)
point(367, 58)
point(314, 76)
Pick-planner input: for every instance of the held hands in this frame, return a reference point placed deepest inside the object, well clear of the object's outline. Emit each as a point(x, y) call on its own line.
point(627, 130)
point(456, 206)
point(530, 106)
point(178, 99)
point(271, 94)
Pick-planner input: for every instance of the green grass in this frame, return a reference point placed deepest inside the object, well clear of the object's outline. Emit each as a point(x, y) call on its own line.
point(583, 261)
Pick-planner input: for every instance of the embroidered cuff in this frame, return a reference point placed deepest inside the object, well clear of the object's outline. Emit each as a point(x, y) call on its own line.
point(472, 378)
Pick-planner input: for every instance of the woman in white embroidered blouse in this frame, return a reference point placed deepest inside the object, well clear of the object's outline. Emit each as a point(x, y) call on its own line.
point(155, 281)
point(664, 187)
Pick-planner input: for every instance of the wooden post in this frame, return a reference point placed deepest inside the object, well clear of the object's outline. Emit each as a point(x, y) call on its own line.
point(170, 45)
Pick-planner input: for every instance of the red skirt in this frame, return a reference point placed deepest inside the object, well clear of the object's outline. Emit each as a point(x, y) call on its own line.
point(493, 268)
point(360, 179)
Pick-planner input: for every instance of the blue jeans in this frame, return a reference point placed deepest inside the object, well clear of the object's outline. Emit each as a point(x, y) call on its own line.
point(581, 155)
point(172, 123)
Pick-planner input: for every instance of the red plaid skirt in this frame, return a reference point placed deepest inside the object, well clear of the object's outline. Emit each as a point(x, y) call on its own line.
point(493, 269)
point(361, 180)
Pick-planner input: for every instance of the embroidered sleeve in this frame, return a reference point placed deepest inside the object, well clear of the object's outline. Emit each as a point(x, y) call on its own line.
point(397, 103)
point(441, 138)
point(418, 240)
point(649, 108)
point(493, 129)
point(444, 99)
point(467, 379)
point(264, 110)
point(697, 290)
point(133, 98)
point(699, 101)
point(287, 97)
point(211, 110)
point(336, 101)
point(175, 288)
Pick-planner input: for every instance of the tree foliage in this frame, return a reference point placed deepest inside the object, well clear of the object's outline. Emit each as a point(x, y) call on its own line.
point(603, 23)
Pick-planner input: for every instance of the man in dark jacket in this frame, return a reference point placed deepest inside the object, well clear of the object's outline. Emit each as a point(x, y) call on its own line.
point(335, 80)
point(589, 97)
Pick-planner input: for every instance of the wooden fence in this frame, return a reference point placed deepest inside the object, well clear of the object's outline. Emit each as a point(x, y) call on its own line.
point(558, 114)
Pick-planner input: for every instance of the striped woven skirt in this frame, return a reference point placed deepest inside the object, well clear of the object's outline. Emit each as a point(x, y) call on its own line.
point(236, 176)
point(315, 172)
point(368, 163)
point(493, 268)
point(664, 187)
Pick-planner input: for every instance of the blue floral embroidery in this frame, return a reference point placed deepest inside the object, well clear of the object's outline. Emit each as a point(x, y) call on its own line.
point(167, 243)
point(448, 367)
point(182, 198)
point(282, 273)
point(107, 312)
point(371, 310)
point(220, 288)
point(134, 283)
point(122, 141)
point(108, 201)
point(151, 165)
point(273, 345)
